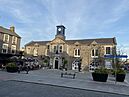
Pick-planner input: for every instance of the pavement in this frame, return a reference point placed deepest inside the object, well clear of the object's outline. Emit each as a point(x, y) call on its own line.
point(83, 80)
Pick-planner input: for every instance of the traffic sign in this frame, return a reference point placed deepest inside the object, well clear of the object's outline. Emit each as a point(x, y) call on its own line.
point(115, 56)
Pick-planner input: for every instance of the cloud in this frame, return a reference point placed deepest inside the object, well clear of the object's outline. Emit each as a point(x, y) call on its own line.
point(124, 49)
point(37, 19)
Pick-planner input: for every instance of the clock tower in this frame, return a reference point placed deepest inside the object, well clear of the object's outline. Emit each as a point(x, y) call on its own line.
point(60, 32)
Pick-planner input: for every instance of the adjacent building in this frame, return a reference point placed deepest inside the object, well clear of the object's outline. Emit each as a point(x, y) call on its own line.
point(59, 50)
point(9, 41)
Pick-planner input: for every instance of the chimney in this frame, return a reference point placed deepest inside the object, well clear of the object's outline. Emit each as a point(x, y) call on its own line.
point(12, 29)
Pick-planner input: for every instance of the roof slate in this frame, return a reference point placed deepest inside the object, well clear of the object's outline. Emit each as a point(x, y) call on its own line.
point(98, 40)
point(7, 31)
point(81, 41)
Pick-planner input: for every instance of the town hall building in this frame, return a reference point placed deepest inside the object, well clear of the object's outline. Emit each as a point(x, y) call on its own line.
point(69, 53)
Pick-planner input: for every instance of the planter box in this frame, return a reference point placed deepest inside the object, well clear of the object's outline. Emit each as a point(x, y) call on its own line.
point(120, 77)
point(99, 77)
point(11, 69)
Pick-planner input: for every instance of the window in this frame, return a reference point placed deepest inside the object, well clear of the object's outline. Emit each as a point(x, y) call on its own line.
point(108, 50)
point(61, 49)
point(54, 49)
point(58, 49)
point(5, 48)
point(48, 47)
point(77, 53)
point(14, 40)
point(28, 50)
point(6, 38)
point(13, 49)
point(35, 53)
point(94, 53)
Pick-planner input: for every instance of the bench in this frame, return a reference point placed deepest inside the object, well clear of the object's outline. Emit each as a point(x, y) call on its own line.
point(68, 74)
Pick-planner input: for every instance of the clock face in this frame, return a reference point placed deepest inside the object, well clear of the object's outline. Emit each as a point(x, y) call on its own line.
point(59, 29)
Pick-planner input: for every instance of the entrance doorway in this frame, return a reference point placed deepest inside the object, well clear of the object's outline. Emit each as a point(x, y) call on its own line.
point(56, 64)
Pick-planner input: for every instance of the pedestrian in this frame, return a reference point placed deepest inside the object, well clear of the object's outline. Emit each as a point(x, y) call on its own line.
point(27, 69)
point(79, 66)
point(19, 68)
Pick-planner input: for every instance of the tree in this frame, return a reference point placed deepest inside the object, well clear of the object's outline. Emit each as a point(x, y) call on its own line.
point(46, 62)
point(65, 63)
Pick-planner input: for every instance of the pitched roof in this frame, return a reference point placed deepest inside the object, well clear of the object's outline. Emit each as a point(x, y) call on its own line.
point(82, 41)
point(38, 42)
point(98, 40)
point(7, 31)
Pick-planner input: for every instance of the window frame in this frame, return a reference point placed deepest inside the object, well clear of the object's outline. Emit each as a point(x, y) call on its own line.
point(54, 48)
point(77, 52)
point(94, 54)
point(106, 50)
point(6, 49)
point(12, 49)
point(14, 40)
point(35, 52)
point(61, 49)
point(4, 39)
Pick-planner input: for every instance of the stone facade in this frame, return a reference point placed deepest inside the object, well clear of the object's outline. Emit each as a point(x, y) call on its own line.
point(9, 41)
point(74, 51)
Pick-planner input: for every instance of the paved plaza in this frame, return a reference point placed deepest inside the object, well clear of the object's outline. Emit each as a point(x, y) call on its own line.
point(23, 89)
point(82, 81)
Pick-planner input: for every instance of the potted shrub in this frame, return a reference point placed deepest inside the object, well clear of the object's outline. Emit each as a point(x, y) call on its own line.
point(100, 74)
point(120, 75)
point(46, 62)
point(11, 67)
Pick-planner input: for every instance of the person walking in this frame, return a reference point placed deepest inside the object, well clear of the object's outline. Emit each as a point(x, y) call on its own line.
point(19, 68)
point(27, 69)
point(79, 66)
